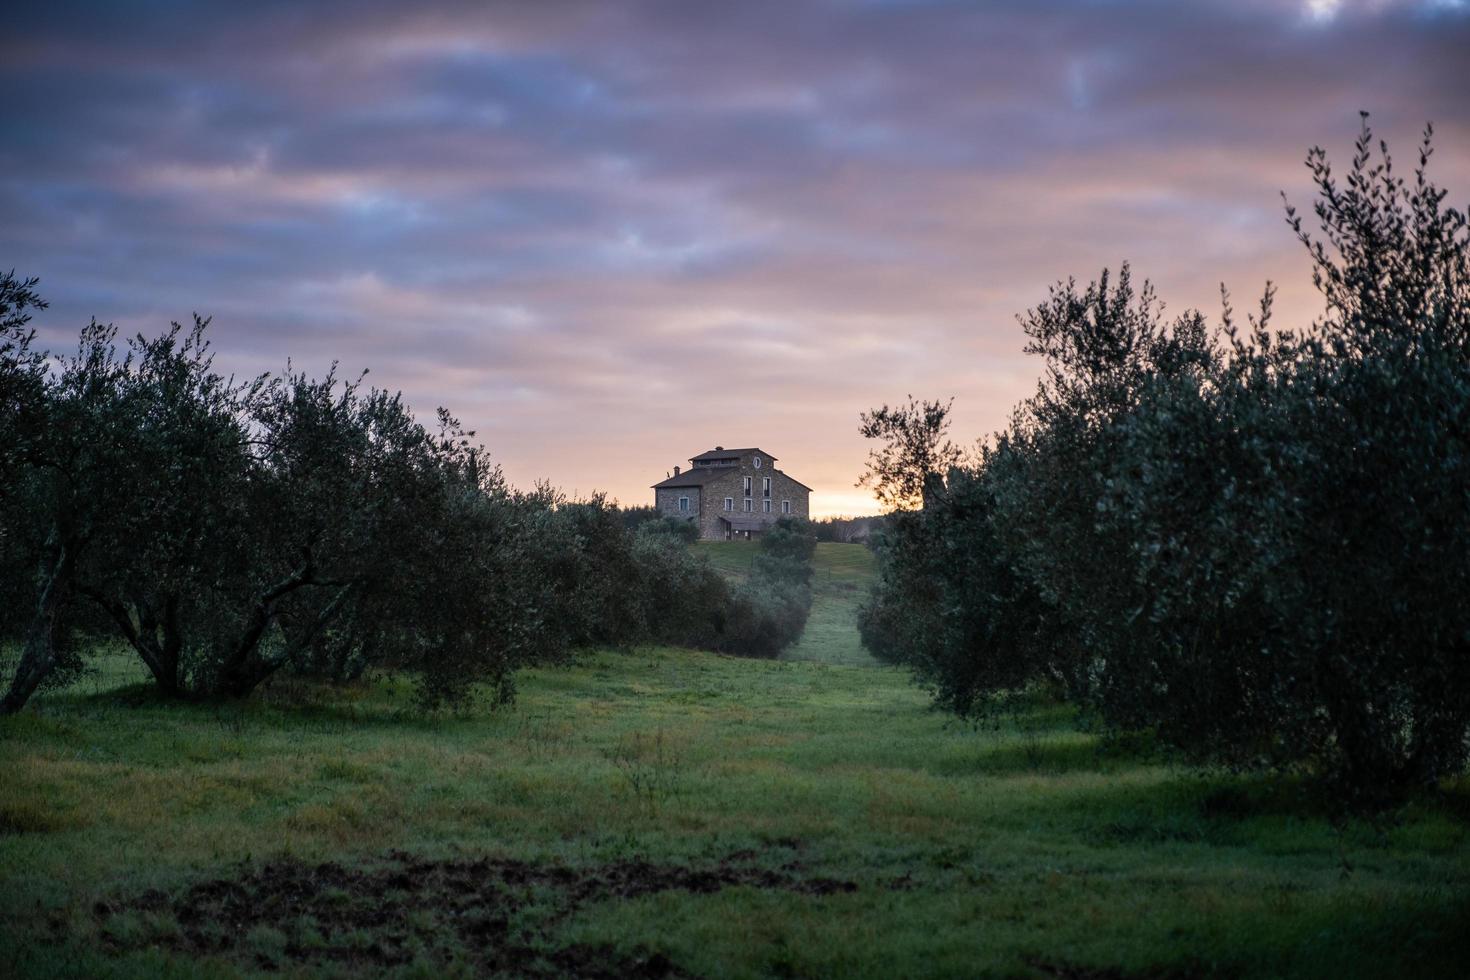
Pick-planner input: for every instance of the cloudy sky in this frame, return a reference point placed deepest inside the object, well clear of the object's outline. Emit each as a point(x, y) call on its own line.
point(612, 235)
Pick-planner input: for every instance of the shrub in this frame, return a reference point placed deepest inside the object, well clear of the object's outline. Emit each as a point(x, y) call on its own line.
point(688, 603)
point(949, 605)
point(635, 517)
point(591, 562)
point(684, 598)
point(763, 617)
point(768, 612)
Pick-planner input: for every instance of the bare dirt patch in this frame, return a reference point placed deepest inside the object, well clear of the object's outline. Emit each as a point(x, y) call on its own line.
point(491, 915)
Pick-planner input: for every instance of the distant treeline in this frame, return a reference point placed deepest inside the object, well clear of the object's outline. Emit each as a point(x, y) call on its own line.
point(849, 530)
point(1253, 543)
point(225, 530)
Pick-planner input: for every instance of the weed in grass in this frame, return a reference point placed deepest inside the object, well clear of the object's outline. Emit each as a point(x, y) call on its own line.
point(232, 718)
point(343, 770)
point(651, 767)
point(1031, 732)
point(540, 736)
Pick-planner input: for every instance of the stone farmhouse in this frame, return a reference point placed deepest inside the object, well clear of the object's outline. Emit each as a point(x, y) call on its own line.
point(731, 493)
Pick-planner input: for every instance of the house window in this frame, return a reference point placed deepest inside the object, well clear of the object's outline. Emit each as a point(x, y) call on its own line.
point(684, 504)
point(767, 502)
point(785, 506)
point(747, 486)
point(766, 486)
point(729, 503)
point(748, 508)
point(756, 461)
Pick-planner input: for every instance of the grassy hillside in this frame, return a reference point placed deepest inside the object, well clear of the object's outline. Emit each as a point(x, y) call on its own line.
point(668, 810)
point(841, 574)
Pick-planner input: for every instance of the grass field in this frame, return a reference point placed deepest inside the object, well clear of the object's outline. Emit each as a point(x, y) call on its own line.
point(667, 812)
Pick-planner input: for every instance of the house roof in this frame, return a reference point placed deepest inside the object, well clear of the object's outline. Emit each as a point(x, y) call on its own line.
point(699, 476)
point(720, 452)
point(795, 481)
point(692, 478)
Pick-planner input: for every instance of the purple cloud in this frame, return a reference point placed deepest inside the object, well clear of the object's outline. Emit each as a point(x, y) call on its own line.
point(611, 235)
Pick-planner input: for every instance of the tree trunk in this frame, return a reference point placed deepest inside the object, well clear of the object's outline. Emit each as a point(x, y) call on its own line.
point(245, 671)
point(161, 659)
point(933, 491)
point(39, 656)
point(170, 648)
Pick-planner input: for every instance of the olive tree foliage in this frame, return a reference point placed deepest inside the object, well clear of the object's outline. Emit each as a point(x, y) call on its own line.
point(786, 550)
point(1007, 575)
point(1383, 399)
point(172, 527)
point(482, 589)
point(22, 399)
point(950, 604)
point(599, 600)
point(1254, 542)
point(59, 505)
point(913, 455)
point(345, 489)
point(684, 598)
point(769, 610)
point(1299, 521)
point(31, 614)
point(635, 516)
point(22, 374)
point(228, 530)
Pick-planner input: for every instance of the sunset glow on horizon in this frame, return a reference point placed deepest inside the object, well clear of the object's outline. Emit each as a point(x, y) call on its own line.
point(611, 236)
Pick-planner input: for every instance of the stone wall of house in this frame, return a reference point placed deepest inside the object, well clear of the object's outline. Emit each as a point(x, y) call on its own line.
point(785, 488)
point(667, 502)
point(732, 485)
point(711, 522)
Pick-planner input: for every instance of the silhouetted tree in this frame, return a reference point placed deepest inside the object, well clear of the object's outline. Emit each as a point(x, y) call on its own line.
point(910, 465)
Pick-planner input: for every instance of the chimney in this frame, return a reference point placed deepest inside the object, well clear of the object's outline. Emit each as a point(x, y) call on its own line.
point(676, 471)
point(719, 449)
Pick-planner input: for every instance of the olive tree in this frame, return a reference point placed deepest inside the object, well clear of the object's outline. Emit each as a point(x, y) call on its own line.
point(60, 500)
point(1254, 542)
point(33, 618)
point(228, 530)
